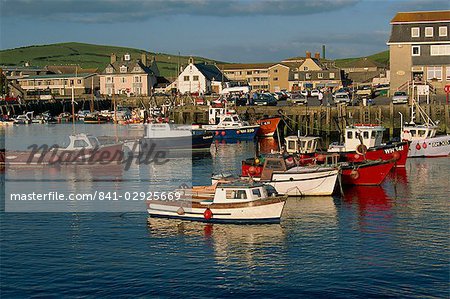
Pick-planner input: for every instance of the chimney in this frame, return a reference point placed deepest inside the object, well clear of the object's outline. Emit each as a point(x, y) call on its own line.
point(317, 55)
point(113, 58)
point(308, 54)
point(191, 60)
point(144, 59)
point(323, 51)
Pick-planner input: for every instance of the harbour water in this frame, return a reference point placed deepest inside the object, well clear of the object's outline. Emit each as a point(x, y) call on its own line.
point(387, 241)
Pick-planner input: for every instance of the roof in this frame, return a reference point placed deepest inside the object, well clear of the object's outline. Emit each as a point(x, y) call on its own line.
point(130, 64)
point(240, 66)
point(362, 63)
point(210, 71)
point(422, 16)
point(363, 77)
point(52, 76)
point(69, 69)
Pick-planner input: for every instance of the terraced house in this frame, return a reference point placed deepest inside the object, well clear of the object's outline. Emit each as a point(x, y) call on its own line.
point(129, 76)
point(419, 48)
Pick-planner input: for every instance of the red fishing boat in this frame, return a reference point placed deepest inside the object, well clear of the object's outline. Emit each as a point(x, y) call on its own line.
point(368, 172)
point(364, 142)
point(268, 126)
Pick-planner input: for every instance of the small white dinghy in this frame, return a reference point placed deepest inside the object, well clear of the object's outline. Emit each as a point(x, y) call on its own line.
point(235, 202)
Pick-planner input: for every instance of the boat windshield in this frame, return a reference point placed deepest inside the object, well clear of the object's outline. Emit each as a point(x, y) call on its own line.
point(94, 141)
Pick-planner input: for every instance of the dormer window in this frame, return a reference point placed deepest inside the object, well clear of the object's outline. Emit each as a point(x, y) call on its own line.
point(127, 57)
point(136, 69)
point(415, 32)
point(428, 31)
point(123, 69)
point(109, 70)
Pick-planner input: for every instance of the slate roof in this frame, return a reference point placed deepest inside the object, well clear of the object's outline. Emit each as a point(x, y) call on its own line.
point(130, 64)
point(69, 69)
point(211, 72)
point(58, 76)
point(362, 63)
point(241, 66)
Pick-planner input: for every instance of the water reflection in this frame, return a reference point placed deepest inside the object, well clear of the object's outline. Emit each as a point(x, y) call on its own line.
point(268, 145)
point(233, 245)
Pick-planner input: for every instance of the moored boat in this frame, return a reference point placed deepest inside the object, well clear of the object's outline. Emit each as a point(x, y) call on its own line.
point(364, 142)
point(369, 172)
point(268, 125)
point(241, 203)
point(424, 142)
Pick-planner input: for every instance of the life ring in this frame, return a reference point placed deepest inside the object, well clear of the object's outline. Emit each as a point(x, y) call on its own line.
point(208, 214)
point(354, 174)
point(361, 149)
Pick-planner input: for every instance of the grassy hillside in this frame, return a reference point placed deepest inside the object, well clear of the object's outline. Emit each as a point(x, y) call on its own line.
point(382, 57)
point(87, 56)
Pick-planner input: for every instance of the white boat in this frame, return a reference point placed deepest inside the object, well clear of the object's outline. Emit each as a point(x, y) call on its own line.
point(235, 202)
point(424, 142)
point(289, 178)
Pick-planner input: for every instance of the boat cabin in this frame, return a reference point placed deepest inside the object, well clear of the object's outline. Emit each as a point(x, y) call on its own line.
point(301, 145)
point(82, 141)
point(418, 132)
point(369, 135)
point(239, 192)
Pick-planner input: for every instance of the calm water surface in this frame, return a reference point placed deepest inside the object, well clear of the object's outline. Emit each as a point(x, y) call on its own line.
point(388, 241)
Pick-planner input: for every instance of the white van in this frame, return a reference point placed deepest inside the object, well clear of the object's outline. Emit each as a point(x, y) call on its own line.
point(235, 89)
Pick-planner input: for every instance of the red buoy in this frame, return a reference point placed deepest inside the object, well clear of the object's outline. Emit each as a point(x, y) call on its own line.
point(396, 155)
point(356, 156)
point(320, 158)
point(418, 146)
point(223, 133)
point(424, 145)
point(354, 174)
point(252, 170)
point(207, 214)
point(217, 133)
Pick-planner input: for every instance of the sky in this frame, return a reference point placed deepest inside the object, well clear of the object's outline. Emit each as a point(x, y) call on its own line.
point(225, 30)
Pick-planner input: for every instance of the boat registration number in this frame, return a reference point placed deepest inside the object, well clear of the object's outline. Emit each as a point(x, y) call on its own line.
point(394, 149)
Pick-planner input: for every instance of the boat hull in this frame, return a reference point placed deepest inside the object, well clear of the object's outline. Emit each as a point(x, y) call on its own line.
point(261, 211)
point(233, 133)
point(195, 142)
point(268, 126)
point(438, 146)
point(105, 154)
point(367, 174)
point(320, 182)
point(396, 151)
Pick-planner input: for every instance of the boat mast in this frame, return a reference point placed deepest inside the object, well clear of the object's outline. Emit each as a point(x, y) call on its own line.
point(73, 106)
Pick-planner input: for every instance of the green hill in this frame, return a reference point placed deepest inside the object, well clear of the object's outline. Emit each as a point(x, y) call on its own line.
point(382, 58)
point(87, 56)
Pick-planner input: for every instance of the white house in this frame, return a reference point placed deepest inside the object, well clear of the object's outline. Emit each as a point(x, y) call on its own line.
point(200, 78)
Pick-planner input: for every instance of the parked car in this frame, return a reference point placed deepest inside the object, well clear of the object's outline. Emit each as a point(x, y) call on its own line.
point(341, 98)
point(364, 90)
point(238, 101)
point(298, 98)
point(304, 92)
point(280, 95)
point(315, 93)
point(400, 97)
point(265, 99)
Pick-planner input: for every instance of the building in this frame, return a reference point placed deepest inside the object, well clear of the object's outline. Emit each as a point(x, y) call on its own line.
point(255, 75)
point(129, 76)
point(312, 73)
point(59, 84)
point(419, 48)
point(363, 70)
point(200, 78)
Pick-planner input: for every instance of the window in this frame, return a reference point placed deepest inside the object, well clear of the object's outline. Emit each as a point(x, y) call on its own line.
point(440, 50)
point(249, 72)
point(137, 79)
point(275, 71)
point(186, 78)
point(434, 72)
point(447, 73)
point(136, 69)
point(108, 80)
point(308, 76)
point(80, 143)
point(415, 50)
point(296, 76)
point(123, 69)
point(123, 79)
point(428, 31)
point(78, 81)
point(236, 194)
point(256, 192)
point(305, 68)
point(349, 135)
point(71, 82)
point(443, 31)
point(109, 70)
point(320, 75)
point(366, 134)
point(275, 79)
point(331, 75)
point(415, 32)
point(195, 78)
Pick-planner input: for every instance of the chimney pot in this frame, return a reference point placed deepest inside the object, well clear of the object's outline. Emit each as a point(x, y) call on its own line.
point(317, 55)
point(308, 54)
point(144, 59)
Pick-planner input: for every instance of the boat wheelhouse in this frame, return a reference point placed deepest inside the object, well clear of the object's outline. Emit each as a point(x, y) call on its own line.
point(359, 134)
point(301, 145)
